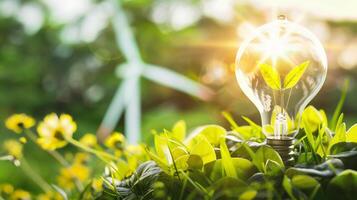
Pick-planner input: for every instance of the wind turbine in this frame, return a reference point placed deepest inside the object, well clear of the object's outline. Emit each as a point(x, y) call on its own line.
point(127, 97)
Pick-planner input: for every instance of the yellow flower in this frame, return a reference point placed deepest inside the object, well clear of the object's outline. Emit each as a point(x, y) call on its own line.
point(76, 172)
point(19, 122)
point(97, 184)
point(89, 140)
point(54, 130)
point(23, 140)
point(80, 158)
point(20, 195)
point(13, 148)
point(49, 195)
point(6, 188)
point(81, 172)
point(135, 150)
point(115, 141)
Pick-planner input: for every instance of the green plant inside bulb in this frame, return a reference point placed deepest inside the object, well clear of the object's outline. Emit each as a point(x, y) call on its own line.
point(280, 69)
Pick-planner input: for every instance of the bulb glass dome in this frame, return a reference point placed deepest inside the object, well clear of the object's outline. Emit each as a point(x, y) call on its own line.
point(281, 67)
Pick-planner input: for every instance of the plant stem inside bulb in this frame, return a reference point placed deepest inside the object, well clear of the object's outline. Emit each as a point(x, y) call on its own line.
point(282, 101)
point(281, 123)
point(281, 117)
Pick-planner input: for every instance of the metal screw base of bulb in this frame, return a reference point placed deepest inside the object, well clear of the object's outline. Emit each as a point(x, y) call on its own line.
point(285, 147)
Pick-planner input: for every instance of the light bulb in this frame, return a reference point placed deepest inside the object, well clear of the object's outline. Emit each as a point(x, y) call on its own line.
point(280, 68)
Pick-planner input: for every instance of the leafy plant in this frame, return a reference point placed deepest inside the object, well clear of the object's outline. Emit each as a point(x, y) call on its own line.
point(295, 75)
point(343, 185)
point(139, 184)
point(207, 163)
point(246, 169)
point(272, 78)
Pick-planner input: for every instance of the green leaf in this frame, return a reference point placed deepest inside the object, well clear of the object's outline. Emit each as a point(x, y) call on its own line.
point(339, 121)
point(262, 157)
point(256, 131)
point(60, 191)
point(244, 132)
point(270, 76)
point(159, 161)
point(272, 168)
point(177, 151)
point(346, 152)
point(227, 160)
point(251, 123)
point(87, 192)
point(243, 167)
point(227, 188)
point(249, 133)
point(324, 117)
point(351, 135)
point(326, 170)
point(343, 186)
point(161, 146)
point(230, 119)
point(308, 158)
point(179, 130)
point(140, 183)
point(308, 132)
point(338, 109)
point(182, 162)
point(312, 118)
point(239, 150)
point(295, 75)
point(248, 195)
point(323, 139)
point(199, 145)
point(213, 170)
point(195, 162)
point(343, 147)
point(213, 133)
point(121, 169)
point(288, 187)
point(304, 182)
point(340, 136)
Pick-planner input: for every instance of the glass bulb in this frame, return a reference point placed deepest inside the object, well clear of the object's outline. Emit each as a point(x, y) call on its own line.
point(281, 67)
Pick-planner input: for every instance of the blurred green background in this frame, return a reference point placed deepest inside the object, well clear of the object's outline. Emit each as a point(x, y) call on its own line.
point(60, 56)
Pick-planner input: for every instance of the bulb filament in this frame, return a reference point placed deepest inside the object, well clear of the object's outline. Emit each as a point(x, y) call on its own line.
point(281, 17)
point(281, 126)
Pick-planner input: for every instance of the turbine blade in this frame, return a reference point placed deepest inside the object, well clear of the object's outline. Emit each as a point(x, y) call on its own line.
point(176, 81)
